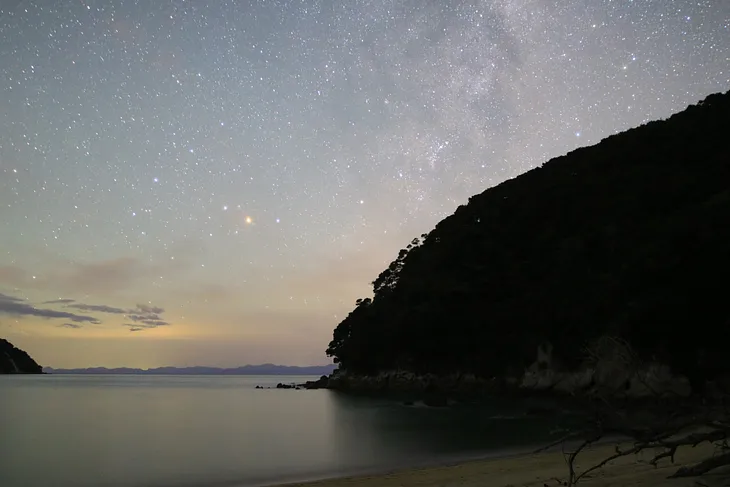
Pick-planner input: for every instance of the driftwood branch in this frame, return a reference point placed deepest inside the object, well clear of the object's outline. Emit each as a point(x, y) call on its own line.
point(670, 449)
point(703, 467)
point(666, 427)
point(616, 455)
point(572, 477)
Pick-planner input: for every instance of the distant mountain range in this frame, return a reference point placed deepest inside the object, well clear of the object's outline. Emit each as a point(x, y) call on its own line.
point(263, 369)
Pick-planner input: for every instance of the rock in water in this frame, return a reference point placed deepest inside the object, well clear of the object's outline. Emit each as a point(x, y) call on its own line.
point(15, 361)
point(320, 383)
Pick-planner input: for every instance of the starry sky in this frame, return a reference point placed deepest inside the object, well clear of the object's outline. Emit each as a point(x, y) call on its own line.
point(217, 182)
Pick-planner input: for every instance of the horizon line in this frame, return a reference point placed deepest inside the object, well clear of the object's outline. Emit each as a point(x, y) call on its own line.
point(189, 366)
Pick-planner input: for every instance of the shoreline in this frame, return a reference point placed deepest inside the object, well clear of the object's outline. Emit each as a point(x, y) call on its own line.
point(376, 472)
point(441, 461)
point(527, 469)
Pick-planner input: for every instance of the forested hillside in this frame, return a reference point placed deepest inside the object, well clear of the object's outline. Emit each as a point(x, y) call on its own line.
point(630, 237)
point(15, 361)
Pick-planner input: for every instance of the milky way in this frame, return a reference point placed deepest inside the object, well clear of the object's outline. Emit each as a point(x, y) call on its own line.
point(249, 167)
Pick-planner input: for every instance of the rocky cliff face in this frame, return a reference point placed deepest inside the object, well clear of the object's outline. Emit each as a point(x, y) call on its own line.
point(16, 361)
point(610, 370)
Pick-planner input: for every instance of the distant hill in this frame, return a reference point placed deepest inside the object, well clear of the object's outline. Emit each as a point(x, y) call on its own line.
point(264, 369)
point(15, 361)
point(628, 238)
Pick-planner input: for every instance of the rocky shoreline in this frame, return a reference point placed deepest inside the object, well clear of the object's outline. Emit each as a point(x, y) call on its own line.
point(605, 376)
point(544, 382)
point(320, 383)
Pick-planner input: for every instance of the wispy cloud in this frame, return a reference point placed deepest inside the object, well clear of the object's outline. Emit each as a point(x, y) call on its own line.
point(99, 308)
point(11, 305)
point(69, 325)
point(150, 309)
point(99, 277)
point(141, 326)
point(109, 275)
point(142, 316)
point(146, 317)
point(13, 299)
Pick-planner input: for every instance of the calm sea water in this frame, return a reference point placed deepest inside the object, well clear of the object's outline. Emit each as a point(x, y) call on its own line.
point(160, 431)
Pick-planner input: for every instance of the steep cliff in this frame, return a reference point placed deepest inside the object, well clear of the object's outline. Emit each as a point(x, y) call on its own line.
point(16, 361)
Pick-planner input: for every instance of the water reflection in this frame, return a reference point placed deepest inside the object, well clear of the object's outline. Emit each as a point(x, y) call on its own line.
point(414, 434)
point(159, 431)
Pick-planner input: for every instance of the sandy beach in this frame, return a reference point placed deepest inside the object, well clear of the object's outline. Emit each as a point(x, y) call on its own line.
point(541, 469)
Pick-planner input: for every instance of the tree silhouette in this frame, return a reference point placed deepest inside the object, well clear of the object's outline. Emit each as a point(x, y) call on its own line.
point(627, 237)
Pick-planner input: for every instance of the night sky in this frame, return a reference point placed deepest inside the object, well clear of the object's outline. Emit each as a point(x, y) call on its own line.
point(216, 183)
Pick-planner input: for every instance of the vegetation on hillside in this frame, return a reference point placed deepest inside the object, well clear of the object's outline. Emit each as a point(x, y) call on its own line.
point(630, 237)
point(16, 361)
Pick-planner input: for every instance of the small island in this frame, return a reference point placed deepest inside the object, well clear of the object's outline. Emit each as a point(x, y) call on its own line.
point(15, 361)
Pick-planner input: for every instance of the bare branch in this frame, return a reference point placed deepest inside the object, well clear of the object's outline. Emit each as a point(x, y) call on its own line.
point(669, 453)
point(572, 478)
point(667, 423)
point(703, 467)
point(618, 454)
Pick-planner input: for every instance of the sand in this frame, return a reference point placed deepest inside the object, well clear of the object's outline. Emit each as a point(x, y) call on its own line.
point(542, 469)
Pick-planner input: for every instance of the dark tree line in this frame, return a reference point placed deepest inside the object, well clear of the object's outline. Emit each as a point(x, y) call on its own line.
point(630, 237)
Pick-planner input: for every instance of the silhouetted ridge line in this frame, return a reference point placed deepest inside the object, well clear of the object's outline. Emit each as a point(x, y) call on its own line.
point(629, 237)
point(15, 361)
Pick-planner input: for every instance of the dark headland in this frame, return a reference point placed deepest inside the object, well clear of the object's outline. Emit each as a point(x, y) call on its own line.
point(598, 280)
point(15, 361)
point(625, 243)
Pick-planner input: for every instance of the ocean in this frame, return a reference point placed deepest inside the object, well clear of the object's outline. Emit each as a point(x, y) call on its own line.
point(215, 431)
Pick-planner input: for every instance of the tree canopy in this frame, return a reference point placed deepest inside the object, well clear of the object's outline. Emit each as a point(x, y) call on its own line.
point(629, 237)
point(16, 361)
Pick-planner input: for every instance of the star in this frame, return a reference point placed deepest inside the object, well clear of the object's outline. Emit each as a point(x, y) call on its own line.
point(131, 133)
